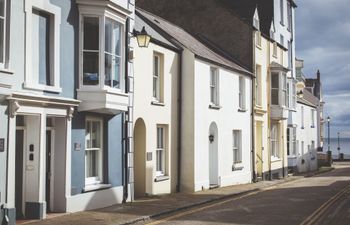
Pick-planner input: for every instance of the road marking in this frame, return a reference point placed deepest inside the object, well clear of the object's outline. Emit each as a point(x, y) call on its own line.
point(218, 203)
point(319, 212)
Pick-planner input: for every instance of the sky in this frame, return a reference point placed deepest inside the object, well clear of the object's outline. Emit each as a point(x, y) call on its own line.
point(323, 42)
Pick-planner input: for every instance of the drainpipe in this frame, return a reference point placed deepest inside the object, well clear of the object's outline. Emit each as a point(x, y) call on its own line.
point(179, 122)
point(125, 116)
point(252, 113)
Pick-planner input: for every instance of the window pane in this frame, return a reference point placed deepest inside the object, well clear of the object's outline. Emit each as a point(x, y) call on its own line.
point(88, 134)
point(274, 97)
point(91, 33)
point(274, 80)
point(2, 33)
point(156, 66)
point(92, 162)
point(159, 155)
point(95, 134)
point(90, 68)
point(41, 46)
point(108, 36)
point(2, 8)
point(117, 38)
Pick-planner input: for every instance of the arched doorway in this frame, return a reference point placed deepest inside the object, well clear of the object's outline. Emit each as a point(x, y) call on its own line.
point(140, 157)
point(213, 155)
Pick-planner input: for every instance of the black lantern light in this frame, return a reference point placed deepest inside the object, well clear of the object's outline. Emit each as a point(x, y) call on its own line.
point(143, 38)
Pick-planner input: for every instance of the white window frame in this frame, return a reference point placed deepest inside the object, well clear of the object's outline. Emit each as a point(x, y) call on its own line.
point(258, 83)
point(161, 167)
point(290, 16)
point(282, 12)
point(157, 90)
point(302, 117)
point(294, 95)
point(313, 118)
point(274, 139)
point(292, 140)
point(4, 35)
point(214, 86)
point(274, 50)
point(242, 93)
point(258, 39)
point(99, 178)
point(55, 23)
point(237, 147)
point(103, 15)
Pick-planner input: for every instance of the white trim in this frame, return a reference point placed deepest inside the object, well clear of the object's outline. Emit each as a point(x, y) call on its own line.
point(55, 11)
point(3, 63)
point(95, 180)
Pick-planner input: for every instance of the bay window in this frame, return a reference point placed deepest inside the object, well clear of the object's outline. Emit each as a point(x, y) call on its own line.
point(93, 151)
point(101, 52)
point(279, 89)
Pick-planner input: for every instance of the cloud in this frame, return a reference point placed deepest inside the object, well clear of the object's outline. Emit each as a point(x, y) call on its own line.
point(323, 41)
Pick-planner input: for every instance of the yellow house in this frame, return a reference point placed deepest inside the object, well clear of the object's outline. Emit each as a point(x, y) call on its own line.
point(270, 108)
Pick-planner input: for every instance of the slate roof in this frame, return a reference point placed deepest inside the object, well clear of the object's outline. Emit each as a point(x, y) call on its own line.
point(186, 40)
point(139, 23)
point(309, 99)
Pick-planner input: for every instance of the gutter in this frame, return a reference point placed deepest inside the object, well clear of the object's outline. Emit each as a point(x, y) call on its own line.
point(252, 112)
point(179, 124)
point(126, 117)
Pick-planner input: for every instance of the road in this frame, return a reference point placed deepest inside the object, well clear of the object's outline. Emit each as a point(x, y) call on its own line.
point(322, 199)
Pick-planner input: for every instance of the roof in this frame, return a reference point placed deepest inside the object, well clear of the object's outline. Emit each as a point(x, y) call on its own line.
point(309, 99)
point(188, 41)
point(139, 24)
point(245, 9)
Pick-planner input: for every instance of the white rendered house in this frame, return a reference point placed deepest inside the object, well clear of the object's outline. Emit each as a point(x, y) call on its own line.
point(155, 114)
point(215, 112)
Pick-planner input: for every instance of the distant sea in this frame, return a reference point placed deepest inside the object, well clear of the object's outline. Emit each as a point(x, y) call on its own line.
point(344, 144)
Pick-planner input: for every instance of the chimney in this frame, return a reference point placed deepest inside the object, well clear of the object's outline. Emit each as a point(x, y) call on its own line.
point(318, 75)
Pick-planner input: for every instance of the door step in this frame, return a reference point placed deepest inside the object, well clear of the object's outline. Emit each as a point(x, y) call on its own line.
point(258, 179)
point(213, 186)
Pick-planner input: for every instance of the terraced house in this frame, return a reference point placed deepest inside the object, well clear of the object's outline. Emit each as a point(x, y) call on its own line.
point(258, 35)
point(66, 105)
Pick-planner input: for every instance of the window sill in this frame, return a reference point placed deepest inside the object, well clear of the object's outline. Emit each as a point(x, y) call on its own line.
point(9, 72)
point(96, 187)
point(275, 159)
point(242, 110)
point(39, 87)
point(213, 106)
point(161, 178)
point(237, 167)
point(156, 103)
point(258, 46)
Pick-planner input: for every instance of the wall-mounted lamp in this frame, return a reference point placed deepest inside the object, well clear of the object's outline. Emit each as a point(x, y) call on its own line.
point(143, 38)
point(211, 138)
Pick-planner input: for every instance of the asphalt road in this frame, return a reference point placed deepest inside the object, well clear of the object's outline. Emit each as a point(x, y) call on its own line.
point(322, 199)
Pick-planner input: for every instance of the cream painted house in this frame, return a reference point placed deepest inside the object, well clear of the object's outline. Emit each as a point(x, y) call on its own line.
point(155, 114)
point(215, 114)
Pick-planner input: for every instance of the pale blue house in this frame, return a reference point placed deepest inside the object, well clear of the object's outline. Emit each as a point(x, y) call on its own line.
point(65, 106)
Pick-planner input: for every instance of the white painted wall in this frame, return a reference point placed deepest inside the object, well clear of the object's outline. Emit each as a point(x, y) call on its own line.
point(227, 119)
point(157, 114)
point(307, 135)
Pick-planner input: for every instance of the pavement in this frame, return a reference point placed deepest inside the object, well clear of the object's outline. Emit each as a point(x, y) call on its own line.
point(149, 208)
